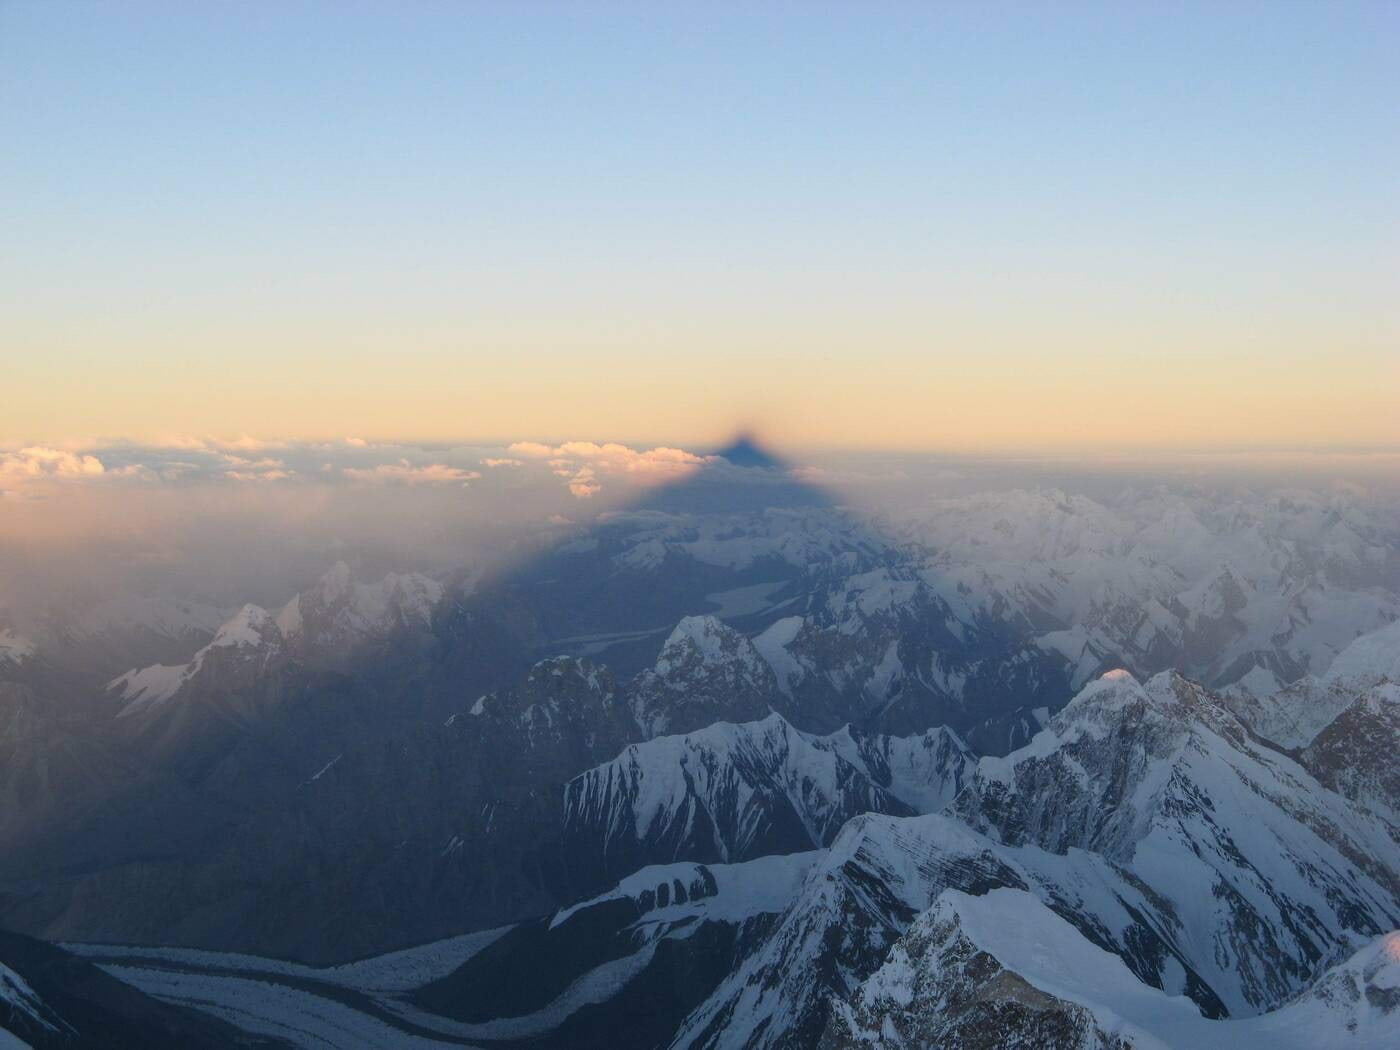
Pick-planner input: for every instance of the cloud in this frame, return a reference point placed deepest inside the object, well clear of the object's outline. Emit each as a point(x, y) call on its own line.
point(257, 475)
point(615, 458)
point(405, 473)
point(38, 463)
point(194, 443)
point(265, 463)
point(263, 469)
point(584, 484)
point(580, 469)
point(585, 464)
point(139, 471)
point(246, 443)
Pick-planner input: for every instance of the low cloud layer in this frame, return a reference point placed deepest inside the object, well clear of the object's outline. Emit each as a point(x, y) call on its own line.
point(405, 473)
point(582, 469)
point(246, 519)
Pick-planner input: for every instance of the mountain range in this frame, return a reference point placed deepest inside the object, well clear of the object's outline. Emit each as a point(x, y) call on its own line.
point(735, 767)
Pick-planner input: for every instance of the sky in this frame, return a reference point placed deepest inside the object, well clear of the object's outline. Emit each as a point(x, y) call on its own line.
point(990, 229)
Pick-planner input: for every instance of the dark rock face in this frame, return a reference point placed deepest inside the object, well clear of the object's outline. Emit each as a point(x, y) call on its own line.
point(418, 832)
point(49, 763)
point(706, 673)
point(880, 649)
point(1356, 755)
point(959, 995)
point(665, 969)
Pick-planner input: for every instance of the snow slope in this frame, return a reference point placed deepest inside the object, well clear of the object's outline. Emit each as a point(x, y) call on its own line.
point(971, 962)
point(733, 792)
point(865, 890)
point(1270, 872)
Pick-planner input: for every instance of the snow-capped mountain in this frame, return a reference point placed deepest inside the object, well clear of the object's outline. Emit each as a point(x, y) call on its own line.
point(750, 775)
point(875, 645)
point(1355, 754)
point(326, 623)
point(1269, 872)
point(734, 792)
point(977, 611)
point(1000, 969)
point(124, 631)
point(241, 650)
point(1372, 658)
point(561, 702)
point(1215, 585)
point(1003, 970)
point(839, 608)
point(1292, 716)
point(867, 888)
point(974, 615)
point(707, 672)
point(1228, 872)
point(325, 626)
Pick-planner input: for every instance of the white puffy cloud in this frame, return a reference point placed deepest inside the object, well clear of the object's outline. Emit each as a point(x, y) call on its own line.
point(503, 462)
point(37, 463)
point(405, 473)
point(586, 464)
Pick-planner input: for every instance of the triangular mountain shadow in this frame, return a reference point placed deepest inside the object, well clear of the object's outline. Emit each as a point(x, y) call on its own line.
point(742, 477)
point(397, 790)
point(744, 451)
point(613, 591)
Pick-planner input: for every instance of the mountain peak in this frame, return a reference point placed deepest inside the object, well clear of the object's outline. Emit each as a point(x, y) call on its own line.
point(1115, 686)
point(698, 628)
point(713, 642)
point(251, 625)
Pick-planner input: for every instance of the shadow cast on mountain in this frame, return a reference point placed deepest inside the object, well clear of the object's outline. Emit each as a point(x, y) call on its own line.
point(267, 811)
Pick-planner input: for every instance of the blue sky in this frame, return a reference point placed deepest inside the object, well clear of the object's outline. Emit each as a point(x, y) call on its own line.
point(551, 220)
